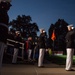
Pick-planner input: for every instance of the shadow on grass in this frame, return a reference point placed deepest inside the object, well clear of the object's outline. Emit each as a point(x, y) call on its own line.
point(58, 59)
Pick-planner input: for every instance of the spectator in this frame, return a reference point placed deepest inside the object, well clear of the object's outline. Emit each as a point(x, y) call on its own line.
point(30, 48)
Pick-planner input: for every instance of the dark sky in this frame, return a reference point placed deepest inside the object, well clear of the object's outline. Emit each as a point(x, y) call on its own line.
point(44, 12)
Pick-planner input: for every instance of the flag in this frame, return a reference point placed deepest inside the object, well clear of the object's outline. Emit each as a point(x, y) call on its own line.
point(53, 37)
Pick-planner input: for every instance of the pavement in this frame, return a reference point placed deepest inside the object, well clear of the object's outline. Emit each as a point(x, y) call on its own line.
point(32, 69)
point(24, 67)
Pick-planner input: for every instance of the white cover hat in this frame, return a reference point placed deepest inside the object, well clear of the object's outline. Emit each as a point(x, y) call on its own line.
point(5, 1)
point(17, 32)
point(71, 25)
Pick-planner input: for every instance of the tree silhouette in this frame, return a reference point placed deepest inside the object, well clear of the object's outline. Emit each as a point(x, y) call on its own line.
point(24, 25)
point(60, 28)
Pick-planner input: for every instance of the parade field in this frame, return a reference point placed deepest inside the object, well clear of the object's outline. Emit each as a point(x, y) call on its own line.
point(56, 59)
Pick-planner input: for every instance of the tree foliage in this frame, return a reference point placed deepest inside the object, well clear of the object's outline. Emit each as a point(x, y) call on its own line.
point(24, 25)
point(60, 28)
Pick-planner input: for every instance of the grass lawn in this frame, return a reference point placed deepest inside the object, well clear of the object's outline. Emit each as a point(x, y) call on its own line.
point(59, 59)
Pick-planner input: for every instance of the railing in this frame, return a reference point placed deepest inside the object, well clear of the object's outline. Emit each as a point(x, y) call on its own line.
point(9, 40)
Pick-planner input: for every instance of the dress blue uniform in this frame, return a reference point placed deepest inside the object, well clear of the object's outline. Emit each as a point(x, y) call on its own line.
point(4, 19)
point(70, 37)
point(42, 46)
point(17, 40)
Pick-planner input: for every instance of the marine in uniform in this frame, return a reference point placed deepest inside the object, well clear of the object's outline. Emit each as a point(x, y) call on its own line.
point(17, 39)
point(4, 19)
point(42, 47)
point(70, 37)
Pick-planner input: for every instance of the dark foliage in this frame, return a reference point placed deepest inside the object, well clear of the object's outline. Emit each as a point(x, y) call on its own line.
point(60, 28)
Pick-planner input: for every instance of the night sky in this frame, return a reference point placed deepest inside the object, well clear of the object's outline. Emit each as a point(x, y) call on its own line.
point(44, 12)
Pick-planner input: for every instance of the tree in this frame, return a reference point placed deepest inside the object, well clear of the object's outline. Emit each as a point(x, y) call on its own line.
point(60, 28)
point(24, 25)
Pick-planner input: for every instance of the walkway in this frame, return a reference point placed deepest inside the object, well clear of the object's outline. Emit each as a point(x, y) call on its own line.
point(30, 69)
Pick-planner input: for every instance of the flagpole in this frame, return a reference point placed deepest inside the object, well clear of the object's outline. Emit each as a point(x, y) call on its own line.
point(53, 47)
